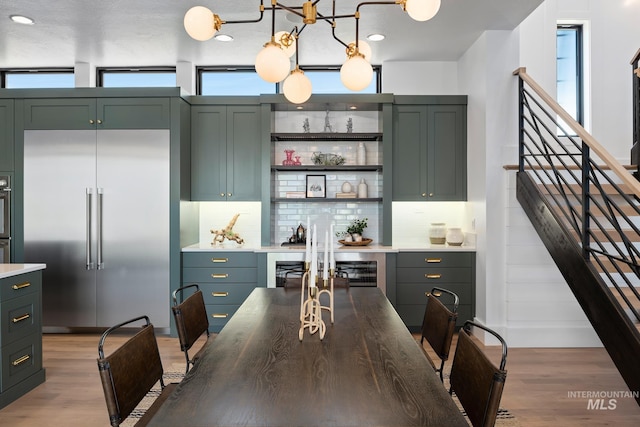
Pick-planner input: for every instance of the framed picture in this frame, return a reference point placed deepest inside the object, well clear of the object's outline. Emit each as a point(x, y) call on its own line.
point(316, 186)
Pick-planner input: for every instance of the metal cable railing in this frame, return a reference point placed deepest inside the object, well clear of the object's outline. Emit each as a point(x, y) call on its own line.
point(593, 195)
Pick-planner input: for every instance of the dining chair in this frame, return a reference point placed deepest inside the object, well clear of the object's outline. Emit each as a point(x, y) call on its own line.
point(438, 326)
point(192, 321)
point(130, 372)
point(476, 381)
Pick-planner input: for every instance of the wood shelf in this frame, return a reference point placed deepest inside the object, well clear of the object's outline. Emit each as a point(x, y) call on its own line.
point(319, 168)
point(323, 199)
point(326, 136)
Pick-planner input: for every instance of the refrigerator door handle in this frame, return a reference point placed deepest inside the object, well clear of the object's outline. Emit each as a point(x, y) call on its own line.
point(99, 230)
point(89, 196)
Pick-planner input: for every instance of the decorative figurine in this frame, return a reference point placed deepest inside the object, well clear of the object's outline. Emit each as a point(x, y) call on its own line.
point(350, 125)
point(227, 233)
point(327, 124)
point(305, 125)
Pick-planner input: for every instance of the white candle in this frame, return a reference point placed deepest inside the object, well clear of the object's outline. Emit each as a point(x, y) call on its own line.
point(314, 258)
point(325, 263)
point(307, 258)
point(332, 260)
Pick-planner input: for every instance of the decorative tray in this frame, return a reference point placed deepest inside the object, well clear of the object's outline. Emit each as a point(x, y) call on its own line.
point(364, 242)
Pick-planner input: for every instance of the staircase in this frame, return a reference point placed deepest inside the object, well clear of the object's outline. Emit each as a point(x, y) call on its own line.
point(585, 207)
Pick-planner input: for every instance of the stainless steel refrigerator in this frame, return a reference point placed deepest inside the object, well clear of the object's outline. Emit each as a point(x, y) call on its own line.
point(96, 211)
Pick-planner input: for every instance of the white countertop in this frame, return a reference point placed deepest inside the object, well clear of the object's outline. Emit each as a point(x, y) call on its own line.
point(208, 247)
point(10, 270)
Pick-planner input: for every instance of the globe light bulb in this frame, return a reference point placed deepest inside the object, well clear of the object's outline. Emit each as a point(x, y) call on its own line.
point(297, 87)
point(289, 50)
point(200, 23)
point(356, 73)
point(364, 48)
point(422, 10)
point(272, 63)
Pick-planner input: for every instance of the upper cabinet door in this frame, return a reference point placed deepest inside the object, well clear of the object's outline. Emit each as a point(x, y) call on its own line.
point(60, 114)
point(209, 153)
point(6, 135)
point(244, 153)
point(133, 113)
point(447, 152)
point(409, 152)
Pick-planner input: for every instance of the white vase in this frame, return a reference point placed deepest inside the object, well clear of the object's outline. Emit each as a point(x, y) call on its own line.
point(363, 190)
point(346, 187)
point(455, 236)
point(438, 233)
point(361, 154)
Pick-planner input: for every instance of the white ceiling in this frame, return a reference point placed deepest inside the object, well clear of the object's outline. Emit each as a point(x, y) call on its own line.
point(151, 33)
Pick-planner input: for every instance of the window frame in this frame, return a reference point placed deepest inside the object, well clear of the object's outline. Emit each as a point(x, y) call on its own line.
point(377, 74)
point(101, 71)
point(580, 86)
point(4, 72)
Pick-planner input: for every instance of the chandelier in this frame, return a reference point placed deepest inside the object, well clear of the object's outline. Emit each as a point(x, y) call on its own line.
point(273, 63)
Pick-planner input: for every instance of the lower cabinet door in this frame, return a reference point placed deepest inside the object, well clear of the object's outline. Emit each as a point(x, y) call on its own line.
point(20, 360)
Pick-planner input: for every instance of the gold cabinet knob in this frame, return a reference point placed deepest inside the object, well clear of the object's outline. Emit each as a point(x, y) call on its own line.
point(424, 194)
point(229, 194)
point(221, 194)
point(91, 121)
point(430, 194)
point(99, 121)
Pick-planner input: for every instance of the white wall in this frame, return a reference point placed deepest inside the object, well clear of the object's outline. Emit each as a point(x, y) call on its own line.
point(520, 291)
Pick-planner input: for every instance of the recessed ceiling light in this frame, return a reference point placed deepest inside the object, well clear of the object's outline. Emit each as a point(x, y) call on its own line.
point(223, 37)
point(375, 37)
point(22, 19)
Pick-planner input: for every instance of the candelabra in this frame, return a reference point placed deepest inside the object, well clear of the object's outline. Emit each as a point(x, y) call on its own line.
point(310, 308)
point(329, 291)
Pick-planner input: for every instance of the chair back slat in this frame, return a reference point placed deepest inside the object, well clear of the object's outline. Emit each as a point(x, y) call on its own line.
point(129, 373)
point(191, 319)
point(438, 326)
point(476, 381)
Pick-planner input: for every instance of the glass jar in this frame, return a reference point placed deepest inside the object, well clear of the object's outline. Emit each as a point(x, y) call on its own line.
point(438, 233)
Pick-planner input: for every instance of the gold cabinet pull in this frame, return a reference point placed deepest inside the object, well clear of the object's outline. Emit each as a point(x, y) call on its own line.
point(21, 318)
point(433, 260)
point(21, 286)
point(220, 276)
point(21, 360)
point(219, 260)
point(220, 294)
point(220, 315)
point(433, 276)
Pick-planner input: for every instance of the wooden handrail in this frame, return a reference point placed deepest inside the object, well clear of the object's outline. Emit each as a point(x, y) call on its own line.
point(608, 159)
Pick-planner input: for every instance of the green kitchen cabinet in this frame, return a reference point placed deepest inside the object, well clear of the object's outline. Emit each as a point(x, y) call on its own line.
point(78, 113)
point(225, 278)
point(6, 135)
point(226, 153)
point(417, 273)
point(430, 151)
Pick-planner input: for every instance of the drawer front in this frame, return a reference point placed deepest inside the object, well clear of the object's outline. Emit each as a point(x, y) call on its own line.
point(219, 259)
point(434, 276)
point(413, 293)
point(20, 317)
point(435, 259)
point(22, 284)
point(219, 315)
point(219, 275)
point(20, 360)
point(233, 293)
point(412, 314)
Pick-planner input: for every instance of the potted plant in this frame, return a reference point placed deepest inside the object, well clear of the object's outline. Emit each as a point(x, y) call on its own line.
point(356, 228)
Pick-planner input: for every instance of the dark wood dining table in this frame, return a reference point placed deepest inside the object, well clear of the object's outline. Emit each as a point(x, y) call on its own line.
point(367, 371)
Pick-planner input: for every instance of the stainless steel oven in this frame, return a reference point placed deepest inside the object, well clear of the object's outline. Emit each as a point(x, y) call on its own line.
point(363, 268)
point(5, 219)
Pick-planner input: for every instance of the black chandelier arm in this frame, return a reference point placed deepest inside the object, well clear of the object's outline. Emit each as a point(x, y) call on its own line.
point(249, 21)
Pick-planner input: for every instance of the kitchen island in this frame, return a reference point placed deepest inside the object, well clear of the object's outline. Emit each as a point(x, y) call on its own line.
point(20, 330)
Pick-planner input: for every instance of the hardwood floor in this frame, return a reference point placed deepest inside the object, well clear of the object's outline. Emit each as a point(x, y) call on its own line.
point(537, 389)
